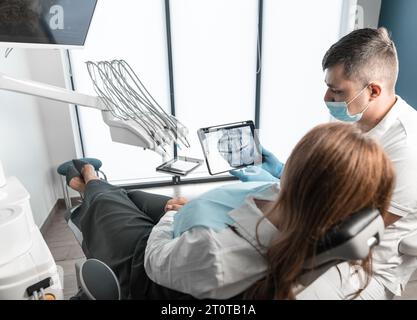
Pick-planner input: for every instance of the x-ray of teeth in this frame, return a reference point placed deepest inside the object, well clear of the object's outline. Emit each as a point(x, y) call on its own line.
point(237, 147)
point(227, 149)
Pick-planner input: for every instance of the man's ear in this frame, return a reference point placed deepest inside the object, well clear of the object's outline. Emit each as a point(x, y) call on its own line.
point(375, 90)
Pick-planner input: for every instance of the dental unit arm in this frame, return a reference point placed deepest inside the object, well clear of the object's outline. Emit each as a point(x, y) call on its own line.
point(129, 112)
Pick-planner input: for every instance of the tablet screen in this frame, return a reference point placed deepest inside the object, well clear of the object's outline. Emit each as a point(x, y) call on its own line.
point(229, 147)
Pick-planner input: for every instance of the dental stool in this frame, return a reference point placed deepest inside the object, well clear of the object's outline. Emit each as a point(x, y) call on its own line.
point(71, 212)
point(62, 171)
point(351, 240)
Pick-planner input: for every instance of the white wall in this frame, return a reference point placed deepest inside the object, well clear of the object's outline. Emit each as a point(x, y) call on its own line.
point(35, 134)
point(60, 132)
point(292, 90)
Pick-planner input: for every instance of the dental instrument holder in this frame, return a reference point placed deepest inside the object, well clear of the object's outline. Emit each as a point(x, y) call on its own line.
point(122, 130)
point(174, 168)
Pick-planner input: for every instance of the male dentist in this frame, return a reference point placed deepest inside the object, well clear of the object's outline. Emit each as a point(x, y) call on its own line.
point(361, 72)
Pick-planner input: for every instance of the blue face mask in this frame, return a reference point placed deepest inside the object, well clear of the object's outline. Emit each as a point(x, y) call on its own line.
point(340, 110)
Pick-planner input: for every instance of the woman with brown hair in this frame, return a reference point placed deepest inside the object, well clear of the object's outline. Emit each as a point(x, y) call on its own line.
point(333, 172)
point(252, 238)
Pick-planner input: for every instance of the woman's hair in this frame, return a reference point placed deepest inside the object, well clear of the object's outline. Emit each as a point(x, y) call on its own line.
point(333, 172)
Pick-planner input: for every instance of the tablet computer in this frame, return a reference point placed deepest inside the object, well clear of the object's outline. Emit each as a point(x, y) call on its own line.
point(230, 146)
point(180, 165)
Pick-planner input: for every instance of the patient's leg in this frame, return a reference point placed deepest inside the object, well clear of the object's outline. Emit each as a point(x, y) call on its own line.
point(89, 173)
point(77, 184)
point(151, 204)
point(116, 231)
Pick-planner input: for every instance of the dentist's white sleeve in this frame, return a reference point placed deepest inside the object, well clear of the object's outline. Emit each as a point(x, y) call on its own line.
point(187, 263)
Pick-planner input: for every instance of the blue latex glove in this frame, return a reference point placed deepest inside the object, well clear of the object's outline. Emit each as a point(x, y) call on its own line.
point(271, 163)
point(253, 173)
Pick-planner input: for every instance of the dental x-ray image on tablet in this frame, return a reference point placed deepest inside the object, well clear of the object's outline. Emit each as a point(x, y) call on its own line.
point(229, 147)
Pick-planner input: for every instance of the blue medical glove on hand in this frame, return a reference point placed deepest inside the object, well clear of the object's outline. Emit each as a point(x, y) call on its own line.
point(253, 173)
point(271, 163)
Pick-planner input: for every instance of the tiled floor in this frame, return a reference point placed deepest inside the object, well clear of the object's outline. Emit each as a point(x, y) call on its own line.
point(67, 252)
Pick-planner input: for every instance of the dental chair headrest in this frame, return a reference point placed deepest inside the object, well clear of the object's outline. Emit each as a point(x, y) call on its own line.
point(364, 222)
point(350, 240)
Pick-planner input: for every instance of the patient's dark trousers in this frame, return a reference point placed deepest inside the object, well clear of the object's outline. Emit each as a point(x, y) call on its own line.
point(116, 224)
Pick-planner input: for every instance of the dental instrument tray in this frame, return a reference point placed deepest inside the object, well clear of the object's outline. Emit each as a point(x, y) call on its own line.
point(180, 165)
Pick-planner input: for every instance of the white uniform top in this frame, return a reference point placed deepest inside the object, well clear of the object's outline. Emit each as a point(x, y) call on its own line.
point(208, 264)
point(397, 133)
point(220, 265)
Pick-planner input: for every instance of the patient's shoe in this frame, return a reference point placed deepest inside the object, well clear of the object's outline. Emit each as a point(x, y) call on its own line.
point(79, 164)
point(86, 169)
point(72, 172)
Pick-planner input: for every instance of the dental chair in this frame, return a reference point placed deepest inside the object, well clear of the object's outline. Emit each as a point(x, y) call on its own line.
point(349, 241)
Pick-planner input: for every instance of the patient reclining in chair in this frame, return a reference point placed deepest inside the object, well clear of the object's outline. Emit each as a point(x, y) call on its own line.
point(247, 240)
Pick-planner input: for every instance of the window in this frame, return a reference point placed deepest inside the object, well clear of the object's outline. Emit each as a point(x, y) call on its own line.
point(214, 70)
point(292, 91)
point(133, 30)
point(214, 63)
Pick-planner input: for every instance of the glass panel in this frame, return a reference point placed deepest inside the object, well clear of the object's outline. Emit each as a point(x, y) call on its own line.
point(214, 61)
point(294, 43)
